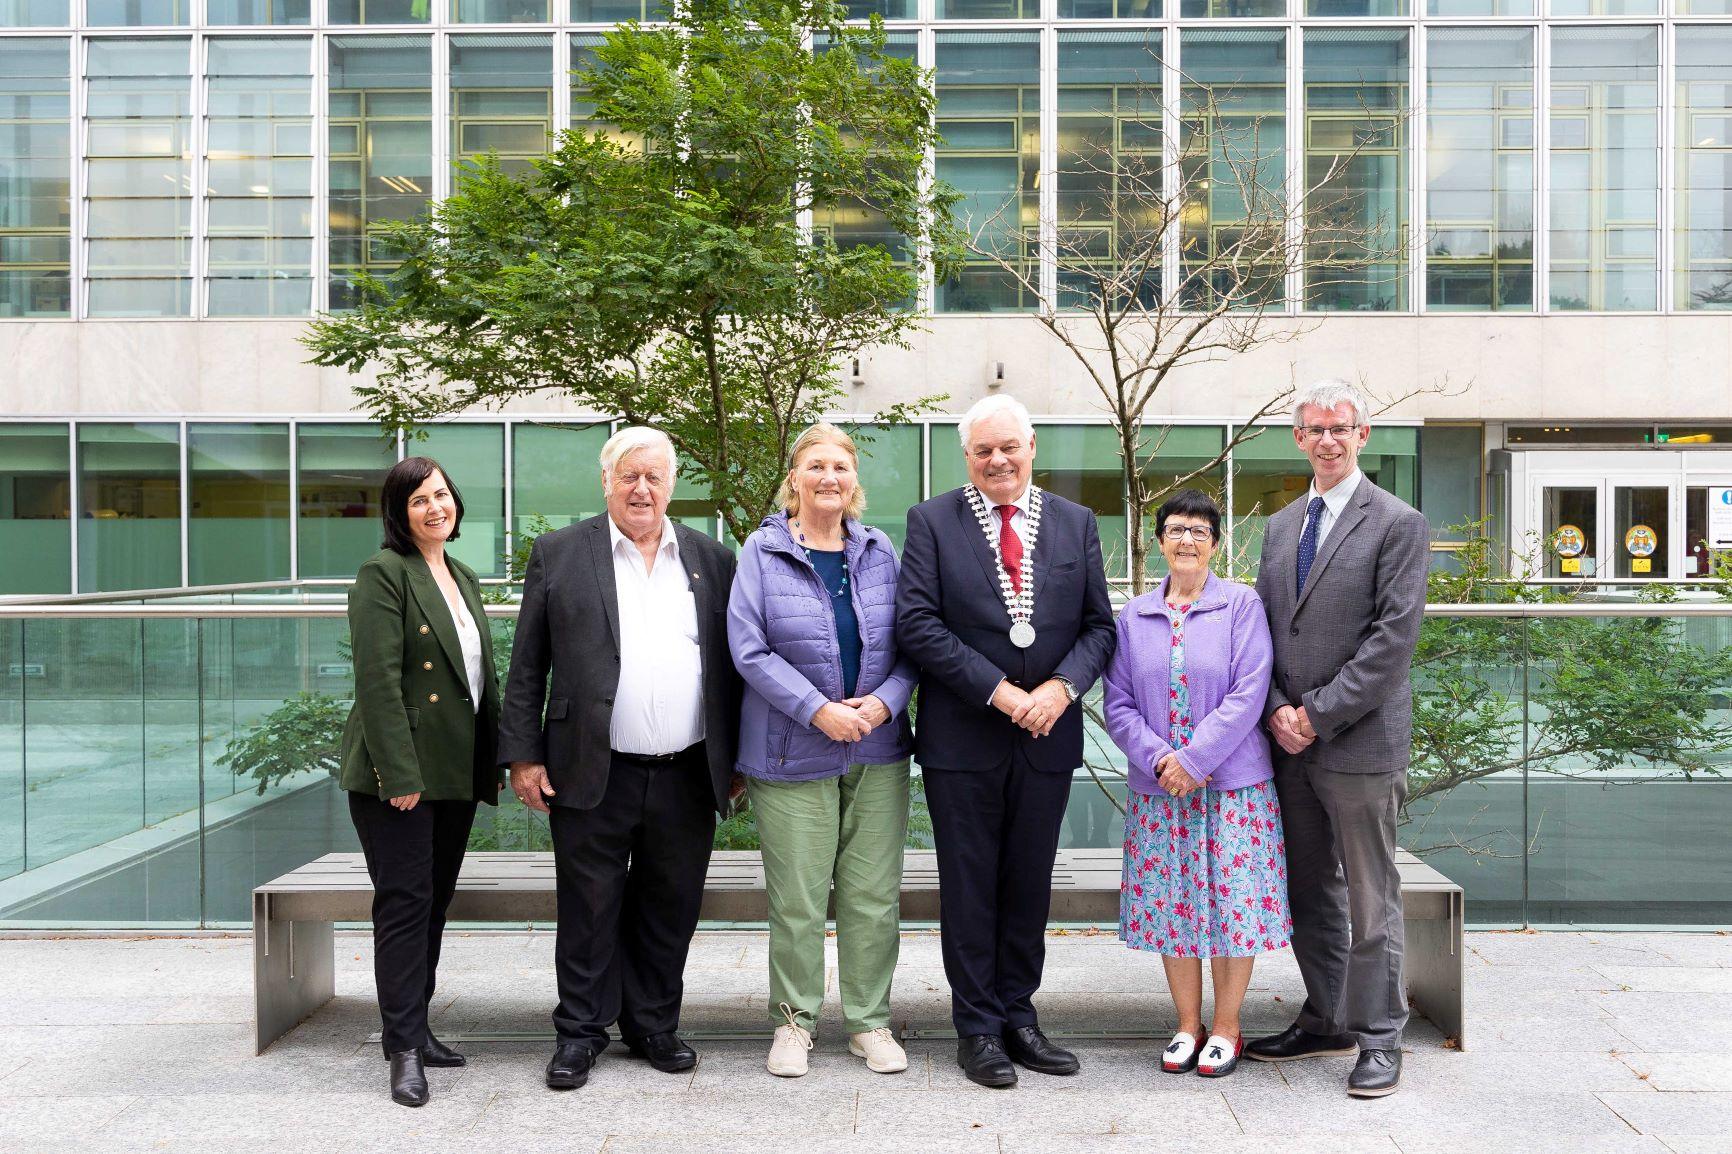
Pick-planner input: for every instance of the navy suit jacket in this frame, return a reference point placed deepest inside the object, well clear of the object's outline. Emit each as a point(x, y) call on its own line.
point(951, 620)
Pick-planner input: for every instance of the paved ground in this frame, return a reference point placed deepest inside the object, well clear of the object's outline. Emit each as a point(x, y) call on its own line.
point(1578, 1042)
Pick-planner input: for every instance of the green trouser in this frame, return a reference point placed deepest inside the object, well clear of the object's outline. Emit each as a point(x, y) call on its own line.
point(849, 830)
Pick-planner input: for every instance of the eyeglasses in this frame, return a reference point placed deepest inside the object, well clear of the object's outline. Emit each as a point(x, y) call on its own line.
point(1188, 532)
point(1339, 432)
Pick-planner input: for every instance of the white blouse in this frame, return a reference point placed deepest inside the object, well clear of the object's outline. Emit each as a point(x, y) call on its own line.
point(469, 639)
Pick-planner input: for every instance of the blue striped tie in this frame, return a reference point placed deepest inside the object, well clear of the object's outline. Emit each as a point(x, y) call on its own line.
point(1308, 539)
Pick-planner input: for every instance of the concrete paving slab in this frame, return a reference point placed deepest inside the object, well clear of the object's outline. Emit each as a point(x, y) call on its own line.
point(1661, 1071)
point(1016, 1111)
point(1690, 979)
point(1685, 1113)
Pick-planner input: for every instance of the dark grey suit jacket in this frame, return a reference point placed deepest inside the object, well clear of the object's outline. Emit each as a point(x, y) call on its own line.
point(1344, 647)
point(568, 626)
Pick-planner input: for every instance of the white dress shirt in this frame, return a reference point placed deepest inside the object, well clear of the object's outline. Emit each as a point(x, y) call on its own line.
point(469, 640)
point(1018, 519)
point(1334, 501)
point(658, 707)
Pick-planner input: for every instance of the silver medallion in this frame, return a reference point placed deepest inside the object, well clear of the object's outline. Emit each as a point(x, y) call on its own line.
point(1022, 635)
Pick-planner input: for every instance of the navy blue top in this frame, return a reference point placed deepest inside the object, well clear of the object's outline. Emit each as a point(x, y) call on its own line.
point(832, 568)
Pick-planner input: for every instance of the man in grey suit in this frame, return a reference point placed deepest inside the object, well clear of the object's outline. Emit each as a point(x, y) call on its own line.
point(1343, 581)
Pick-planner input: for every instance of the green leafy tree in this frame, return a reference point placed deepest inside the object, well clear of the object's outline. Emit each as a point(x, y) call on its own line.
point(304, 733)
point(656, 266)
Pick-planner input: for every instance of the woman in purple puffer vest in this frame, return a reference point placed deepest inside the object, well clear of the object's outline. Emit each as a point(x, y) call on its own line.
point(824, 745)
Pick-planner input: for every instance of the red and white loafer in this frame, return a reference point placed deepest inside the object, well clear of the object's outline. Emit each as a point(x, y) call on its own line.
point(1180, 1056)
point(1220, 1056)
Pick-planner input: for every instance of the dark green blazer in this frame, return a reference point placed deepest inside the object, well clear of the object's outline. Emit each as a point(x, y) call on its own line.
point(413, 728)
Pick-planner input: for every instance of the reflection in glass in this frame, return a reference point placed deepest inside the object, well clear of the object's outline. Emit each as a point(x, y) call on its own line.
point(1169, 456)
point(501, 98)
point(1605, 161)
point(341, 469)
point(1479, 7)
point(129, 506)
point(474, 460)
point(556, 473)
point(13, 675)
point(1356, 166)
point(238, 503)
point(1218, 9)
point(35, 13)
point(35, 510)
point(1339, 8)
point(1451, 469)
point(986, 9)
point(35, 178)
point(1703, 249)
point(259, 177)
point(1480, 158)
point(380, 127)
point(1605, 7)
point(1109, 9)
point(1081, 462)
point(500, 11)
point(890, 471)
point(380, 12)
point(290, 12)
point(138, 191)
point(1642, 530)
point(988, 87)
point(136, 13)
point(617, 11)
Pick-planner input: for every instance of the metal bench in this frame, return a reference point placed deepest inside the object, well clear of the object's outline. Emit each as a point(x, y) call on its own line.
point(294, 967)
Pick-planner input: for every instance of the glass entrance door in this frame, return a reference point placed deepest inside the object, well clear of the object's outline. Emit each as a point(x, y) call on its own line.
point(1641, 539)
point(1570, 529)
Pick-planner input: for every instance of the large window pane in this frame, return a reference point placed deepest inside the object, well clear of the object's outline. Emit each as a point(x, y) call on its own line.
point(989, 114)
point(1109, 163)
point(1356, 7)
point(1605, 7)
point(1081, 462)
point(890, 471)
point(1356, 164)
point(381, 140)
point(129, 507)
point(1704, 158)
point(35, 13)
point(556, 473)
point(289, 12)
point(1480, 159)
point(1110, 9)
point(35, 178)
point(138, 178)
point(618, 11)
point(1479, 7)
point(35, 510)
point(136, 13)
point(1233, 132)
point(474, 461)
point(1605, 168)
point(341, 468)
point(501, 11)
point(501, 98)
point(259, 176)
point(380, 11)
point(1169, 458)
point(1216, 9)
point(1450, 472)
point(237, 503)
point(987, 9)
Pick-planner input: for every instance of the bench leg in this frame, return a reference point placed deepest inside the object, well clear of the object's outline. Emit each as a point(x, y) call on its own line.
point(294, 972)
point(1434, 964)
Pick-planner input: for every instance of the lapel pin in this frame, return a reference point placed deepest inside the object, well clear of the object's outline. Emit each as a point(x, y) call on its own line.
point(695, 577)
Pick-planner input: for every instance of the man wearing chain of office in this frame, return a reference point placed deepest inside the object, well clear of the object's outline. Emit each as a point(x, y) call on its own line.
point(1002, 602)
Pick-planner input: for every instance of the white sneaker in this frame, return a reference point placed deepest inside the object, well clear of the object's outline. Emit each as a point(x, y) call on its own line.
point(788, 1050)
point(883, 1054)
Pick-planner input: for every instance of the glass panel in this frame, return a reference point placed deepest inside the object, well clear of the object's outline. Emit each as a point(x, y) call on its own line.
point(136, 13)
point(1605, 7)
point(890, 472)
point(501, 98)
point(1705, 7)
point(500, 11)
point(129, 507)
point(341, 468)
point(1605, 168)
point(1570, 519)
point(1450, 464)
point(988, 86)
point(288, 12)
point(619, 11)
point(1169, 456)
point(1217, 9)
point(556, 473)
point(1641, 530)
point(238, 503)
point(1579, 435)
point(35, 13)
point(35, 178)
point(1233, 130)
point(1707, 527)
point(1480, 157)
point(1081, 462)
point(259, 176)
point(380, 12)
point(1356, 7)
point(35, 510)
point(13, 676)
point(1110, 9)
point(1479, 7)
point(474, 460)
point(986, 10)
point(138, 170)
point(1703, 239)
point(1109, 163)
point(381, 149)
point(1356, 220)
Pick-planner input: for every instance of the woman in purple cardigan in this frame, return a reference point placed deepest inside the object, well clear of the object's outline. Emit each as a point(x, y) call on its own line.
point(1205, 872)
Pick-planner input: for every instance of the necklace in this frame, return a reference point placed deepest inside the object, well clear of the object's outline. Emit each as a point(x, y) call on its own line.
point(1018, 599)
point(800, 535)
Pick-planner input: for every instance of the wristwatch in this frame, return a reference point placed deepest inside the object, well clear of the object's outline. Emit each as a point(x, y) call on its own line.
point(1069, 690)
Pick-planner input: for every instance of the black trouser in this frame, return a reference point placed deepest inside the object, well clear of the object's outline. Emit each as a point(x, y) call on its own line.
point(996, 832)
point(413, 858)
point(630, 880)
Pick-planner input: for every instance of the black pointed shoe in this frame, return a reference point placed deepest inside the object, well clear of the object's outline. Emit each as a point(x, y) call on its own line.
point(665, 1052)
point(408, 1079)
point(1377, 1073)
point(569, 1067)
point(437, 1053)
point(1029, 1047)
point(1293, 1043)
point(983, 1059)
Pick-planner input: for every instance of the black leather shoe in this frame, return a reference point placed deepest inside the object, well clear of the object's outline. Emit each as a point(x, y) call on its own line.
point(1029, 1047)
point(437, 1053)
point(569, 1067)
point(665, 1052)
point(408, 1079)
point(1293, 1043)
point(1377, 1073)
point(983, 1059)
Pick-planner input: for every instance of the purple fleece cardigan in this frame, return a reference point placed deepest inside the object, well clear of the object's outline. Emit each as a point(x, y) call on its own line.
point(1228, 658)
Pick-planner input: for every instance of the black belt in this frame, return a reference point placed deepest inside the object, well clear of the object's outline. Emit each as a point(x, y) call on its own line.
point(659, 758)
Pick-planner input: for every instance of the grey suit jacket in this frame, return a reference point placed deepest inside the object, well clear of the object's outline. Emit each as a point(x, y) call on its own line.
point(1344, 647)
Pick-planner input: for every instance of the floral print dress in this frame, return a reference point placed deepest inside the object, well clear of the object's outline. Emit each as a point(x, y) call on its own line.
point(1205, 875)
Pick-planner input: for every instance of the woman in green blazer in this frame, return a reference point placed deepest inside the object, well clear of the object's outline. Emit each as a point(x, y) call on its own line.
point(418, 749)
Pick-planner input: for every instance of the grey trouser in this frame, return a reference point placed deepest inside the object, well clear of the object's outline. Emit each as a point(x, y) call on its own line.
point(1346, 898)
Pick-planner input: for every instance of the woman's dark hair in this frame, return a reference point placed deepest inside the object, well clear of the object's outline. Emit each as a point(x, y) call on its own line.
point(400, 484)
point(1189, 503)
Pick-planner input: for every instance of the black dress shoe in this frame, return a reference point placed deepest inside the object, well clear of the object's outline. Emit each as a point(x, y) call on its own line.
point(437, 1053)
point(1377, 1073)
point(1029, 1047)
point(665, 1052)
point(1293, 1043)
point(983, 1059)
point(408, 1079)
point(569, 1067)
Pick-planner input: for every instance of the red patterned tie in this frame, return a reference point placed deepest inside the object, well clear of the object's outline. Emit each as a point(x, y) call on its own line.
point(1010, 547)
